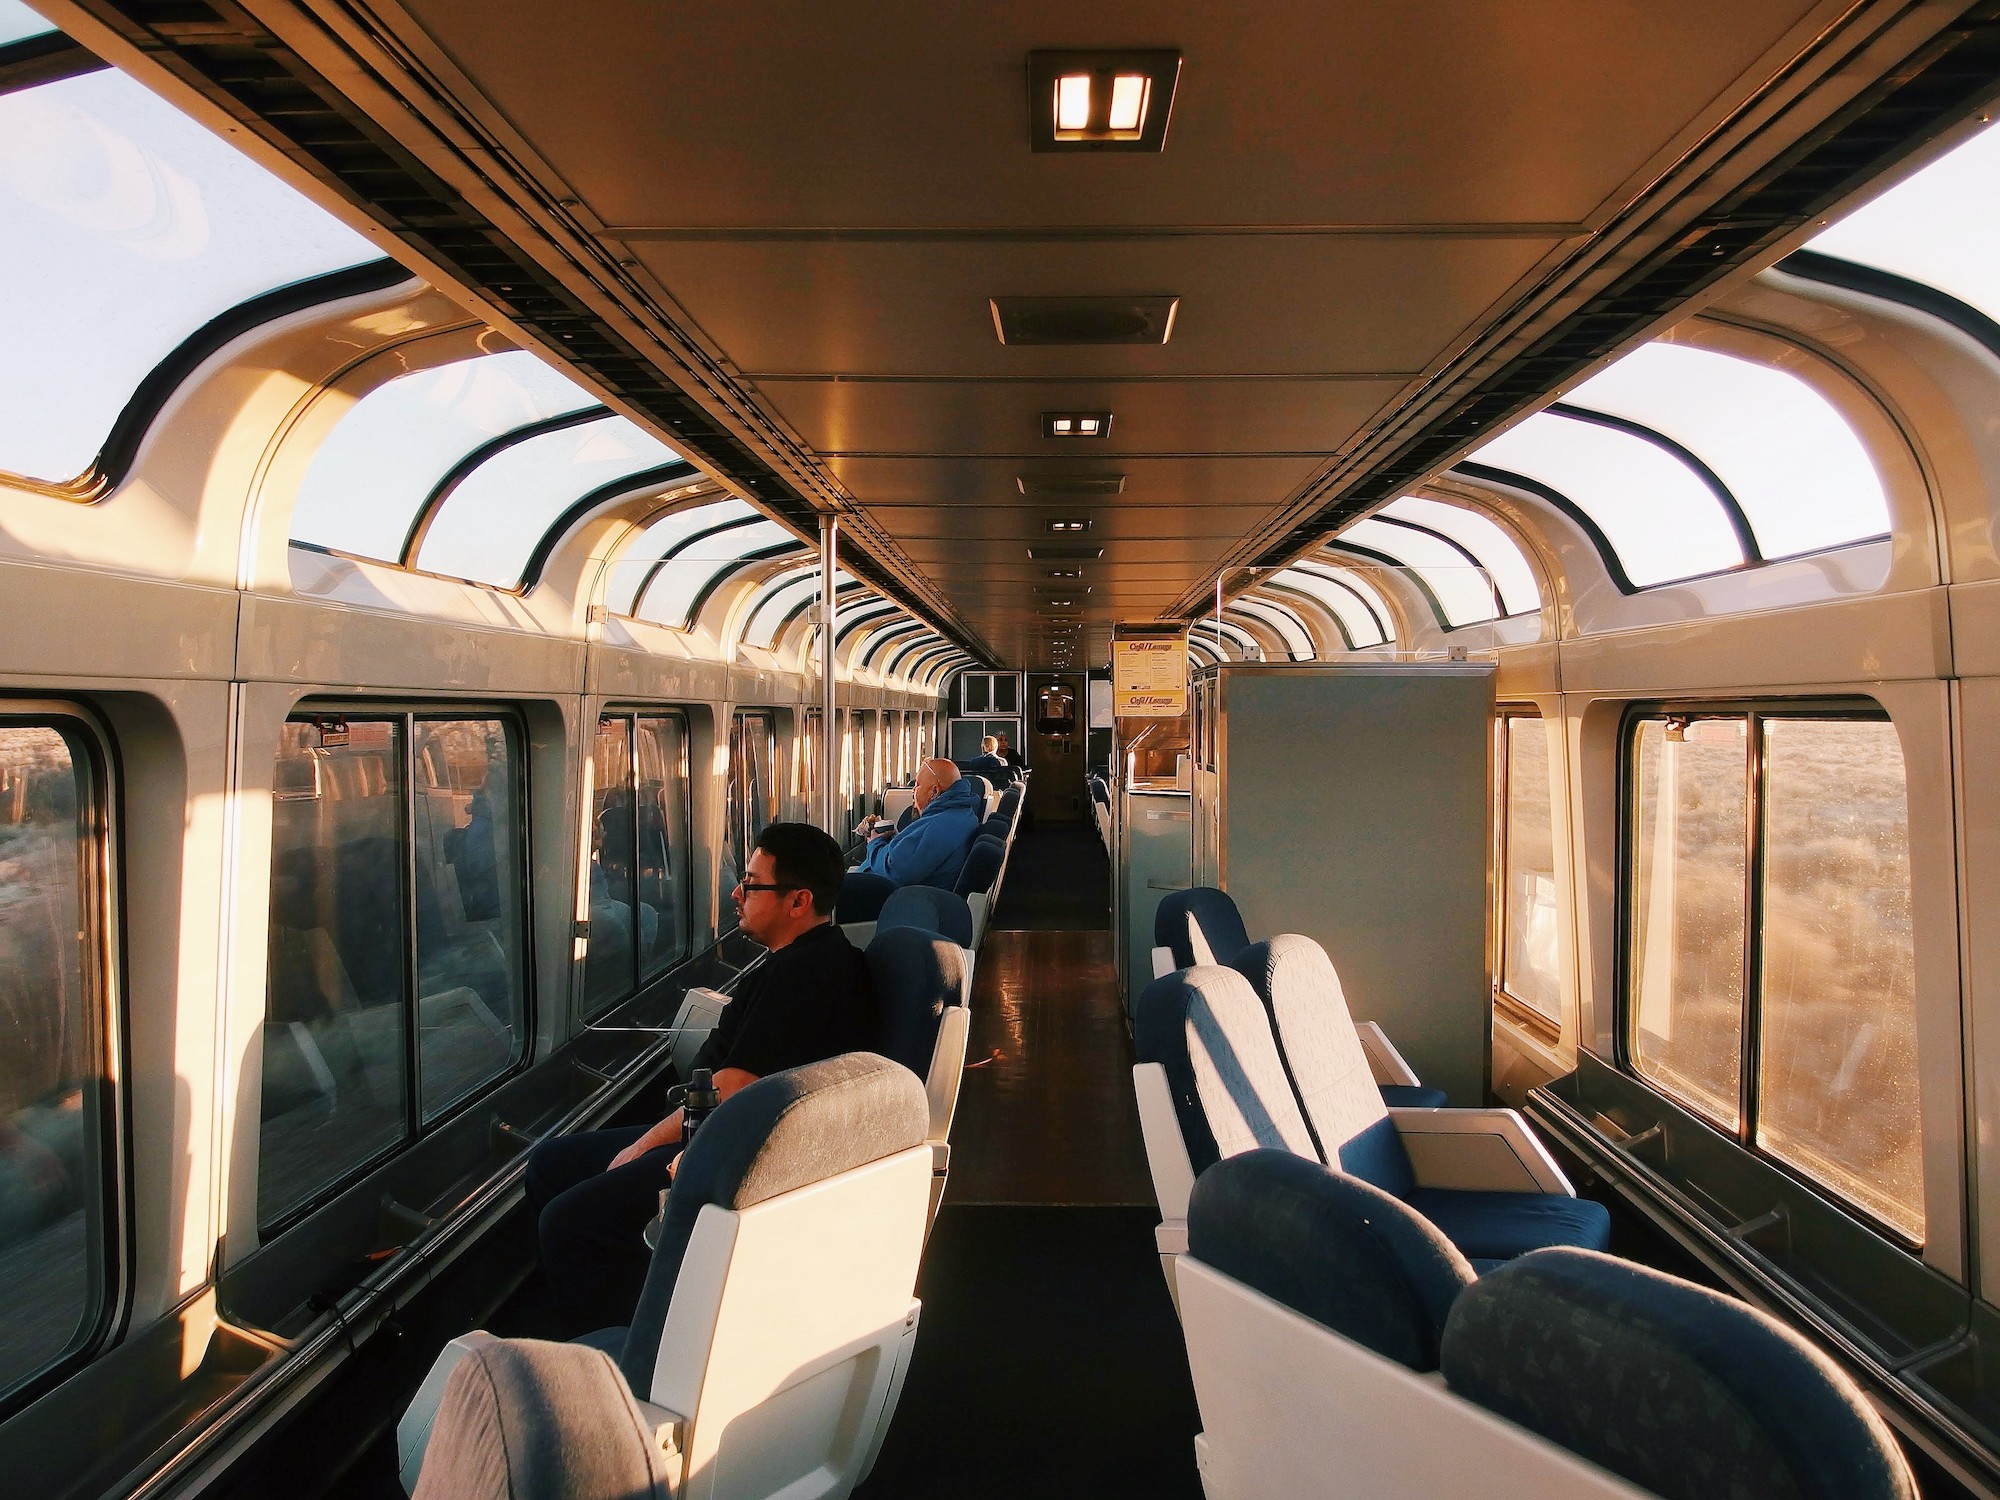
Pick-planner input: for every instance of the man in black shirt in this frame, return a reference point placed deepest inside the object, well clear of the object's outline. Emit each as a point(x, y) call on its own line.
point(810, 999)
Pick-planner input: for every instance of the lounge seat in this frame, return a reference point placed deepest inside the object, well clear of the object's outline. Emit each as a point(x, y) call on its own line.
point(920, 987)
point(769, 1345)
point(1338, 1348)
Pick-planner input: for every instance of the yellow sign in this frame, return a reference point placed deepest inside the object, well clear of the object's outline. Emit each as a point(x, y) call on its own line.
point(1149, 677)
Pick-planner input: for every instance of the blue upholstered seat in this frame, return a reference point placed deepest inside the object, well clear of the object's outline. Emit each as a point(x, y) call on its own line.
point(1412, 1096)
point(916, 974)
point(861, 896)
point(929, 909)
point(982, 866)
point(1331, 1248)
point(1682, 1391)
point(1199, 925)
point(1234, 1090)
point(782, 1132)
point(1010, 802)
point(998, 826)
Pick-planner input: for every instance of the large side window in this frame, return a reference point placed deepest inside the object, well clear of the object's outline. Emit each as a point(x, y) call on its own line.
point(639, 923)
point(56, 1185)
point(752, 796)
point(397, 959)
point(1769, 961)
point(1528, 965)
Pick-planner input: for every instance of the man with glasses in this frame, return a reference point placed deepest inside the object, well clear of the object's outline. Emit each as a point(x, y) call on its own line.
point(810, 999)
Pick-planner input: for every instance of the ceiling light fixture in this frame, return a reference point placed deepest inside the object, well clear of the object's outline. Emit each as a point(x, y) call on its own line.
point(1065, 572)
point(1071, 484)
point(1069, 525)
point(1138, 318)
point(1117, 100)
point(1076, 424)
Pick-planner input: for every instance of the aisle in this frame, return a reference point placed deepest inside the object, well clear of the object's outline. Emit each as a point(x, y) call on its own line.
point(1049, 1360)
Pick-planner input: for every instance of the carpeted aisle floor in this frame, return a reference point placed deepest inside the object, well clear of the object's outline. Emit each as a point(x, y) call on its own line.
point(1058, 880)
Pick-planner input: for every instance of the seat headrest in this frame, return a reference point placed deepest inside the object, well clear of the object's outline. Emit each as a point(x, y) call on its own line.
point(1331, 1248)
point(1685, 1392)
point(861, 896)
point(1206, 1027)
point(1199, 925)
point(998, 827)
point(930, 909)
point(784, 1131)
point(1010, 799)
point(980, 785)
point(916, 975)
point(1323, 1054)
point(982, 865)
point(520, 1419)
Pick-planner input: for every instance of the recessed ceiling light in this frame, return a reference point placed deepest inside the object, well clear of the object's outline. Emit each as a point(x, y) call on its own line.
point(1065, 572)
point(1069, 525)
point(1115, 100)
point(1076, 424)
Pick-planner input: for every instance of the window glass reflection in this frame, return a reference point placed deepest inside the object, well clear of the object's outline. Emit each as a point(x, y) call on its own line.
point(1530, 951)
point(661, 771)
point(52, 1189)
point(335, 1027)
point(18, 23)
point(1461, 591)
point(1690, 806)
point(1837, 1058)
point(471, 949)
point(610, 969)
point(124, 227)
point(1498, 553)
point(683, 577)
point(658, 538)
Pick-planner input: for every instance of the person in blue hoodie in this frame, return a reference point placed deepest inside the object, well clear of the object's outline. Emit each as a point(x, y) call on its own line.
point(931, 848)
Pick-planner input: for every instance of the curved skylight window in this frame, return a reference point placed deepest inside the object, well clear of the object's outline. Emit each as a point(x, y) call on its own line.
point(1298, 641)
point(1239, 640)
point(779, 598)
point(873, 613)
point(370, 480)
point(487, 525)
point(1659, 517)
point(1459, 589)
point(18, 23)
point(1785, 453)
point(1938, 227)
point(1498, 553)
point(683, 578)
point(660, 536)
point(1363, 617)
point(888, 638)
point(124, 228)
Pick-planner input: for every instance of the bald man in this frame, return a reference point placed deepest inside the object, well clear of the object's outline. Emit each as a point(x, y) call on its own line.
point(931, 850)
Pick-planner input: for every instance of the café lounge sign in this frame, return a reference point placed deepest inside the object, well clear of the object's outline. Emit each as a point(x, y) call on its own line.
point(1149, 677)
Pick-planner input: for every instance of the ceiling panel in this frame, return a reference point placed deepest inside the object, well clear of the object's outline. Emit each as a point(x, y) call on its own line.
point(794, 113)
point(1107, 525)
point(1251, 304)
point(916, 417)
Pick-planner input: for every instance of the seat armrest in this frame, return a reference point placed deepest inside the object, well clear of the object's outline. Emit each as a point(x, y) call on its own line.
point(1484, 1150)
point(947, 1069)
point(667, 1428)
point(1163, 962)
point(413, 1432)
point(1166, 1152)
point(1384, 1061)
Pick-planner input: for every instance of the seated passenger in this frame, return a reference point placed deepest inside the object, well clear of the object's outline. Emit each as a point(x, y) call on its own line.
point(1009, 754)
point(989, 763)
point(594, 1193)
point(932, 849)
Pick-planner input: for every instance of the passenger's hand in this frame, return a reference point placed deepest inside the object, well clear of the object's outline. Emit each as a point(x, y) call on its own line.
point(629, 1155)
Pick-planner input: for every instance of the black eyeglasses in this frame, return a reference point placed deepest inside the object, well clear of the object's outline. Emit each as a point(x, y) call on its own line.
point(746, 887)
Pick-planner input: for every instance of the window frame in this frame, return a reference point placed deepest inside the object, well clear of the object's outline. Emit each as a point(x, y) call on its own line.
point(415, 1127)
point(1516, 1011)
point(1753, 712)
point(114, 1249)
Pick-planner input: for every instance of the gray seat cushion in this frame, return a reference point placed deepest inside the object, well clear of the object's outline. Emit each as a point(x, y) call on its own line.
point(1331, 1248)
point(784, 1131)
point(525, 1420)
point(1685, 1392)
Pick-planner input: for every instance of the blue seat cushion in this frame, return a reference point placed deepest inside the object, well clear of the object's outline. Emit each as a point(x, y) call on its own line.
point(1500, 1226)
point(1412, 1096)
point(1686, 1393)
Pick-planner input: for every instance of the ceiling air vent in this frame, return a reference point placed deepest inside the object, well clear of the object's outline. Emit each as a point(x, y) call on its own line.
point(1059, 552)
point(1084, 320)
point(1071, 484)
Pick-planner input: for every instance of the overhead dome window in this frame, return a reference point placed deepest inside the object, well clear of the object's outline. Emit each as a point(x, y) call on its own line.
point(129, 235)
point(18, 23)
point(1938, 227)
point(464, 470)
point(1358, 612)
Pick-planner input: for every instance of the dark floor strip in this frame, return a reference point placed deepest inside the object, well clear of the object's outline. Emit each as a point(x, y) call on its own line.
point(1058, 879)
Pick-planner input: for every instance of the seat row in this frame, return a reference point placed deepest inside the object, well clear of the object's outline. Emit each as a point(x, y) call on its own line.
point(770, 1344)
point(863, 895)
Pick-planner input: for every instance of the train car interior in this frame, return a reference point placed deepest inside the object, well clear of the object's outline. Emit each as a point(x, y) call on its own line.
point(1383, 607)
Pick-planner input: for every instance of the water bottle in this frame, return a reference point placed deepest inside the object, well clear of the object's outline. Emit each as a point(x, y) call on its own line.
point(698, 1105)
